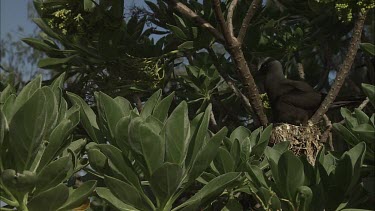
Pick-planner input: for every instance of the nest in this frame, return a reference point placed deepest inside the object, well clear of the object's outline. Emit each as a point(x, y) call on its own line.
point(304, 140)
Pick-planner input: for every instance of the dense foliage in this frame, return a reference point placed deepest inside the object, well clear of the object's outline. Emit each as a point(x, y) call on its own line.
point(152, 110)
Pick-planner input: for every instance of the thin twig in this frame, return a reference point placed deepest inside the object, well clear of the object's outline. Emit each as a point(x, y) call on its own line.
point(327, 132)
point(246, 21)
point(301, 71)
point(186, 11)
point(344, 70)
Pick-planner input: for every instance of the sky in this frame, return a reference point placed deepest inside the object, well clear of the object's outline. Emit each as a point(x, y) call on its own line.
point(13, 14)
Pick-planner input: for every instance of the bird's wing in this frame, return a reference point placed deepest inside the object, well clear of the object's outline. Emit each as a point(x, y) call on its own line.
point(307, 100)
point(298, 85)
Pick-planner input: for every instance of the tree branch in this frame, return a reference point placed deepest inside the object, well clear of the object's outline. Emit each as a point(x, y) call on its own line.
point(246, 21)
point(229, 81)
point(344, 70)
point(187, 12)
point(232, 5)
point(234, 49)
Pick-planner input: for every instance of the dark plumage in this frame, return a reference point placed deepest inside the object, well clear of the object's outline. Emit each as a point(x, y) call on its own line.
point(292, 102)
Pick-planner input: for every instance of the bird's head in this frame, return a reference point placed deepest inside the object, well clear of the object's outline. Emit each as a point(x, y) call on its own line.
point(271, 66)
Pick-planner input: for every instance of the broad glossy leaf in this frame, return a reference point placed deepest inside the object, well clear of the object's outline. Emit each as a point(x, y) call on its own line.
point(47, 63)
point(348, 136)
point(110, 112)
point(368, 48)
point(79, 195)
point(240, 134)
point(206, 154)
point(361, 116)
point(304, 198)
point(198, 132)
point(176, 133)
point(53, 174)
point(291, 174)
point(6, 93)
point(257, 177)
point(224, 161)
point(49, 200)
point(273, 157)
point(123, 165)
point(178, 32)
point(126, 193)
point(210, 191)
point(235, 151)
point(121, 134)
point(151, 103)
point(369, 90)
point(165, 181)
point(27, 128)
point(161, 109)
point(349, 119)
point(259, 148)
point(108, 196)
point(97, 160)
point(87, 117)
point(25, 94)
point(356, 154)
point(366, 132)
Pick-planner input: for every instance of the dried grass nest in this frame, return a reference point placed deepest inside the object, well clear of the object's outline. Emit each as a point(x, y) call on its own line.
point(303, 139)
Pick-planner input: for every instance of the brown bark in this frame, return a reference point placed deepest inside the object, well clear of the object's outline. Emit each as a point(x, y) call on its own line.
point(246, 21)
point(234, 49)
point(232, 45)
point(344, 70)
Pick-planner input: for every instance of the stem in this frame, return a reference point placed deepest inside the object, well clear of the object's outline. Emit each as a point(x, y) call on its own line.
point(9, 202)
point(344, 70)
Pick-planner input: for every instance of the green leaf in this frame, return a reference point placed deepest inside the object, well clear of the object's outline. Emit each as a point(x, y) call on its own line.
point(206, 154)
point(53, 174)
point(49, 200)
point(188, 45)
point(257, 177)
point(177, 31)
point(210, 191)
point(165, 181)
point(109, 112)
point(120, 163)
point(27, 128)
point(224, 161)
point(198, 131)
point(26, 94)
point(79, 195)
point(146, 143)
point(106, 194)
point(39, 45)
point(97, 160)
point(4, 127)
point(348, 136)
point(369, 90)
point(87, 117)
point(233, 205)
point(361, 116)
point(235, 151)
point(240, 134)
point(6, 93)
point(88, 5)
point(45, 28)
point(126, 193)
point(161, 109)
point(176, 132)
point(304, 198)
point(259, 148)
point(356, 157)
point(291, 174)
point(366, 132)
point(349, 119)
point(122, 133)
point(273, 157)
point(368, 48)
point(151, 103)
point(47, 63)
